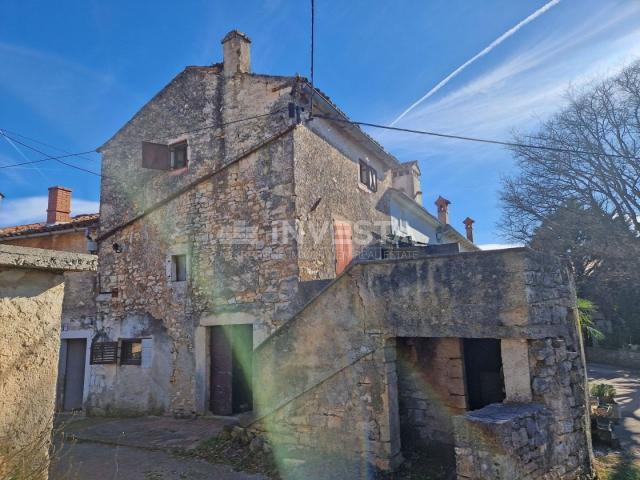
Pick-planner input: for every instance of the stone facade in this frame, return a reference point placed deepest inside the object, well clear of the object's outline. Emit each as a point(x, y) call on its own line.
point(251, 222)
point(332, 382)
point(254, 212)
point(31, 295)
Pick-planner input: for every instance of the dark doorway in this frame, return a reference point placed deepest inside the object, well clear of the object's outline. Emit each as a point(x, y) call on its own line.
point(483, 372)
point(231, 369)
point(74, 374)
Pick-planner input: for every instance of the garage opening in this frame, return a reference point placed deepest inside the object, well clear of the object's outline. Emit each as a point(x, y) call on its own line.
point(484, 373)
point(231, 369)
point(431, 391)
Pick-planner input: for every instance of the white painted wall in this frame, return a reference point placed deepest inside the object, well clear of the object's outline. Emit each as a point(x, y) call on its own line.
point(405, 222)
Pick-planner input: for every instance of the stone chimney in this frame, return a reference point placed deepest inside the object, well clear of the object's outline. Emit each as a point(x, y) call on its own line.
point(468, 225)
point(237, 53)
point(406, 178)
point(443, 209)
point(59, 205)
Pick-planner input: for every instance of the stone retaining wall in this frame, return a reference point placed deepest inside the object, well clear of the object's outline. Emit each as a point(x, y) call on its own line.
point(620, 358)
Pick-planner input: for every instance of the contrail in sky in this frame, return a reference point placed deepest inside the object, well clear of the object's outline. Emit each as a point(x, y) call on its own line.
point(482, 53)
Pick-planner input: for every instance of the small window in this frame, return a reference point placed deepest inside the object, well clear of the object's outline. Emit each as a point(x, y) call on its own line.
point(103, 353)
point(178, 155)
point(131, 352)
point(368, 176)
point(178, 268)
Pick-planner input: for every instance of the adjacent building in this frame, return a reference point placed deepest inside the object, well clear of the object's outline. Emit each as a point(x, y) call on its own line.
point(62, 232)
point(32, 286)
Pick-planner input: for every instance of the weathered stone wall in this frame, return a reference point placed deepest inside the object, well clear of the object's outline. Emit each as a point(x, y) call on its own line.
point(514, 294)
point(31, 294)
point(327, 178)
point(30, 308)
point(505, 441)
point(238, 266)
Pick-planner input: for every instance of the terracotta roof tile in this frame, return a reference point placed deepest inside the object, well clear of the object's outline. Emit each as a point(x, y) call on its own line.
point(79, 221)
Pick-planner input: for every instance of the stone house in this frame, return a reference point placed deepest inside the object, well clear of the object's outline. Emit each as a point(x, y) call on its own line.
point(61, 232)
point(253, 259)
point(221, 215)
point(32, 286)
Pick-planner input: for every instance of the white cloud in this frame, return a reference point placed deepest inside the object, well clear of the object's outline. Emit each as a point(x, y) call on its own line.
point(19, 211)
point(499, 246)
point(523, 86)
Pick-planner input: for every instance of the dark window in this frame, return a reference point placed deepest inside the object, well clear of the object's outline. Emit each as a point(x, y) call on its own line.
point(178, 268)
point(131, 352)
point(178, 155)
point(483, 372)
point(103, 352)
point(368, 176)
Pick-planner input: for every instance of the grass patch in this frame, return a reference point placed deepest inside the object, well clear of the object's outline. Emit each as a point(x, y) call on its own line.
point(616, 466)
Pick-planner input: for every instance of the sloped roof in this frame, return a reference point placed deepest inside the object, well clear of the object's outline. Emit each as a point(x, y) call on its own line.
point(79, 221)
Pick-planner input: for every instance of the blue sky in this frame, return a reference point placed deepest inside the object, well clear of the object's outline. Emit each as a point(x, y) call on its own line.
point(74, 71)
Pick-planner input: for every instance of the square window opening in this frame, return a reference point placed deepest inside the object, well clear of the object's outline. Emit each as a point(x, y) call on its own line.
point(368, 176)
point(178, 268)
point(178, 155)
point(131, 352)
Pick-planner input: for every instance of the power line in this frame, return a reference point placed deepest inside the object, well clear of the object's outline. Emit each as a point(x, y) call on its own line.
point(42, 159)
point(313, 15)
point(49, 157)
point(476, 139)
point(80, 155)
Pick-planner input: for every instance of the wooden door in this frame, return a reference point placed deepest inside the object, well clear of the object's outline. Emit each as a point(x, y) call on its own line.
point(231, 369)
point(221, 371)
point(343, 241)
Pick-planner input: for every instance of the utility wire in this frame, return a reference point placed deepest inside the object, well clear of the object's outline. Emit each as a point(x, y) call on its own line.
point(80, 154)
point(49, 157)
point(30, 139)
point(476, 139)
point(42, 159)
point(313, 14)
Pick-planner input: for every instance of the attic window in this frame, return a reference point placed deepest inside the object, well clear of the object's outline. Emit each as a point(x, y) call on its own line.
point(178, 155)
point(368, 176)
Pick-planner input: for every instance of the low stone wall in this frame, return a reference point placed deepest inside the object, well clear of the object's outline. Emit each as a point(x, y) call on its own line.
point(328, 381)
point(31, 294)
point(504, 441)
point(619, 358)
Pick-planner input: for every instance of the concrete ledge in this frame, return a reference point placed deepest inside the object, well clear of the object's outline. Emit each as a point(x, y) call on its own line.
point(42, 259)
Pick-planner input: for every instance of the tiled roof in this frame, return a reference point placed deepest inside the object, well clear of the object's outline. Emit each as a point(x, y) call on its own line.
point(79, 221)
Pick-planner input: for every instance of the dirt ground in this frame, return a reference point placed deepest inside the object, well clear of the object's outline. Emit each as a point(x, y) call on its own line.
point(147, 448)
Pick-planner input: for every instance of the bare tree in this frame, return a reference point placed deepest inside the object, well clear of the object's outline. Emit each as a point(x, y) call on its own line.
point(592, 160)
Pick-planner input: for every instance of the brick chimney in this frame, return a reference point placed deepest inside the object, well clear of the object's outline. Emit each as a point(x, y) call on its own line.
point(443, 209)
point(468, 225)
point(406, 178)
point(59, 205)
point(237, 53)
